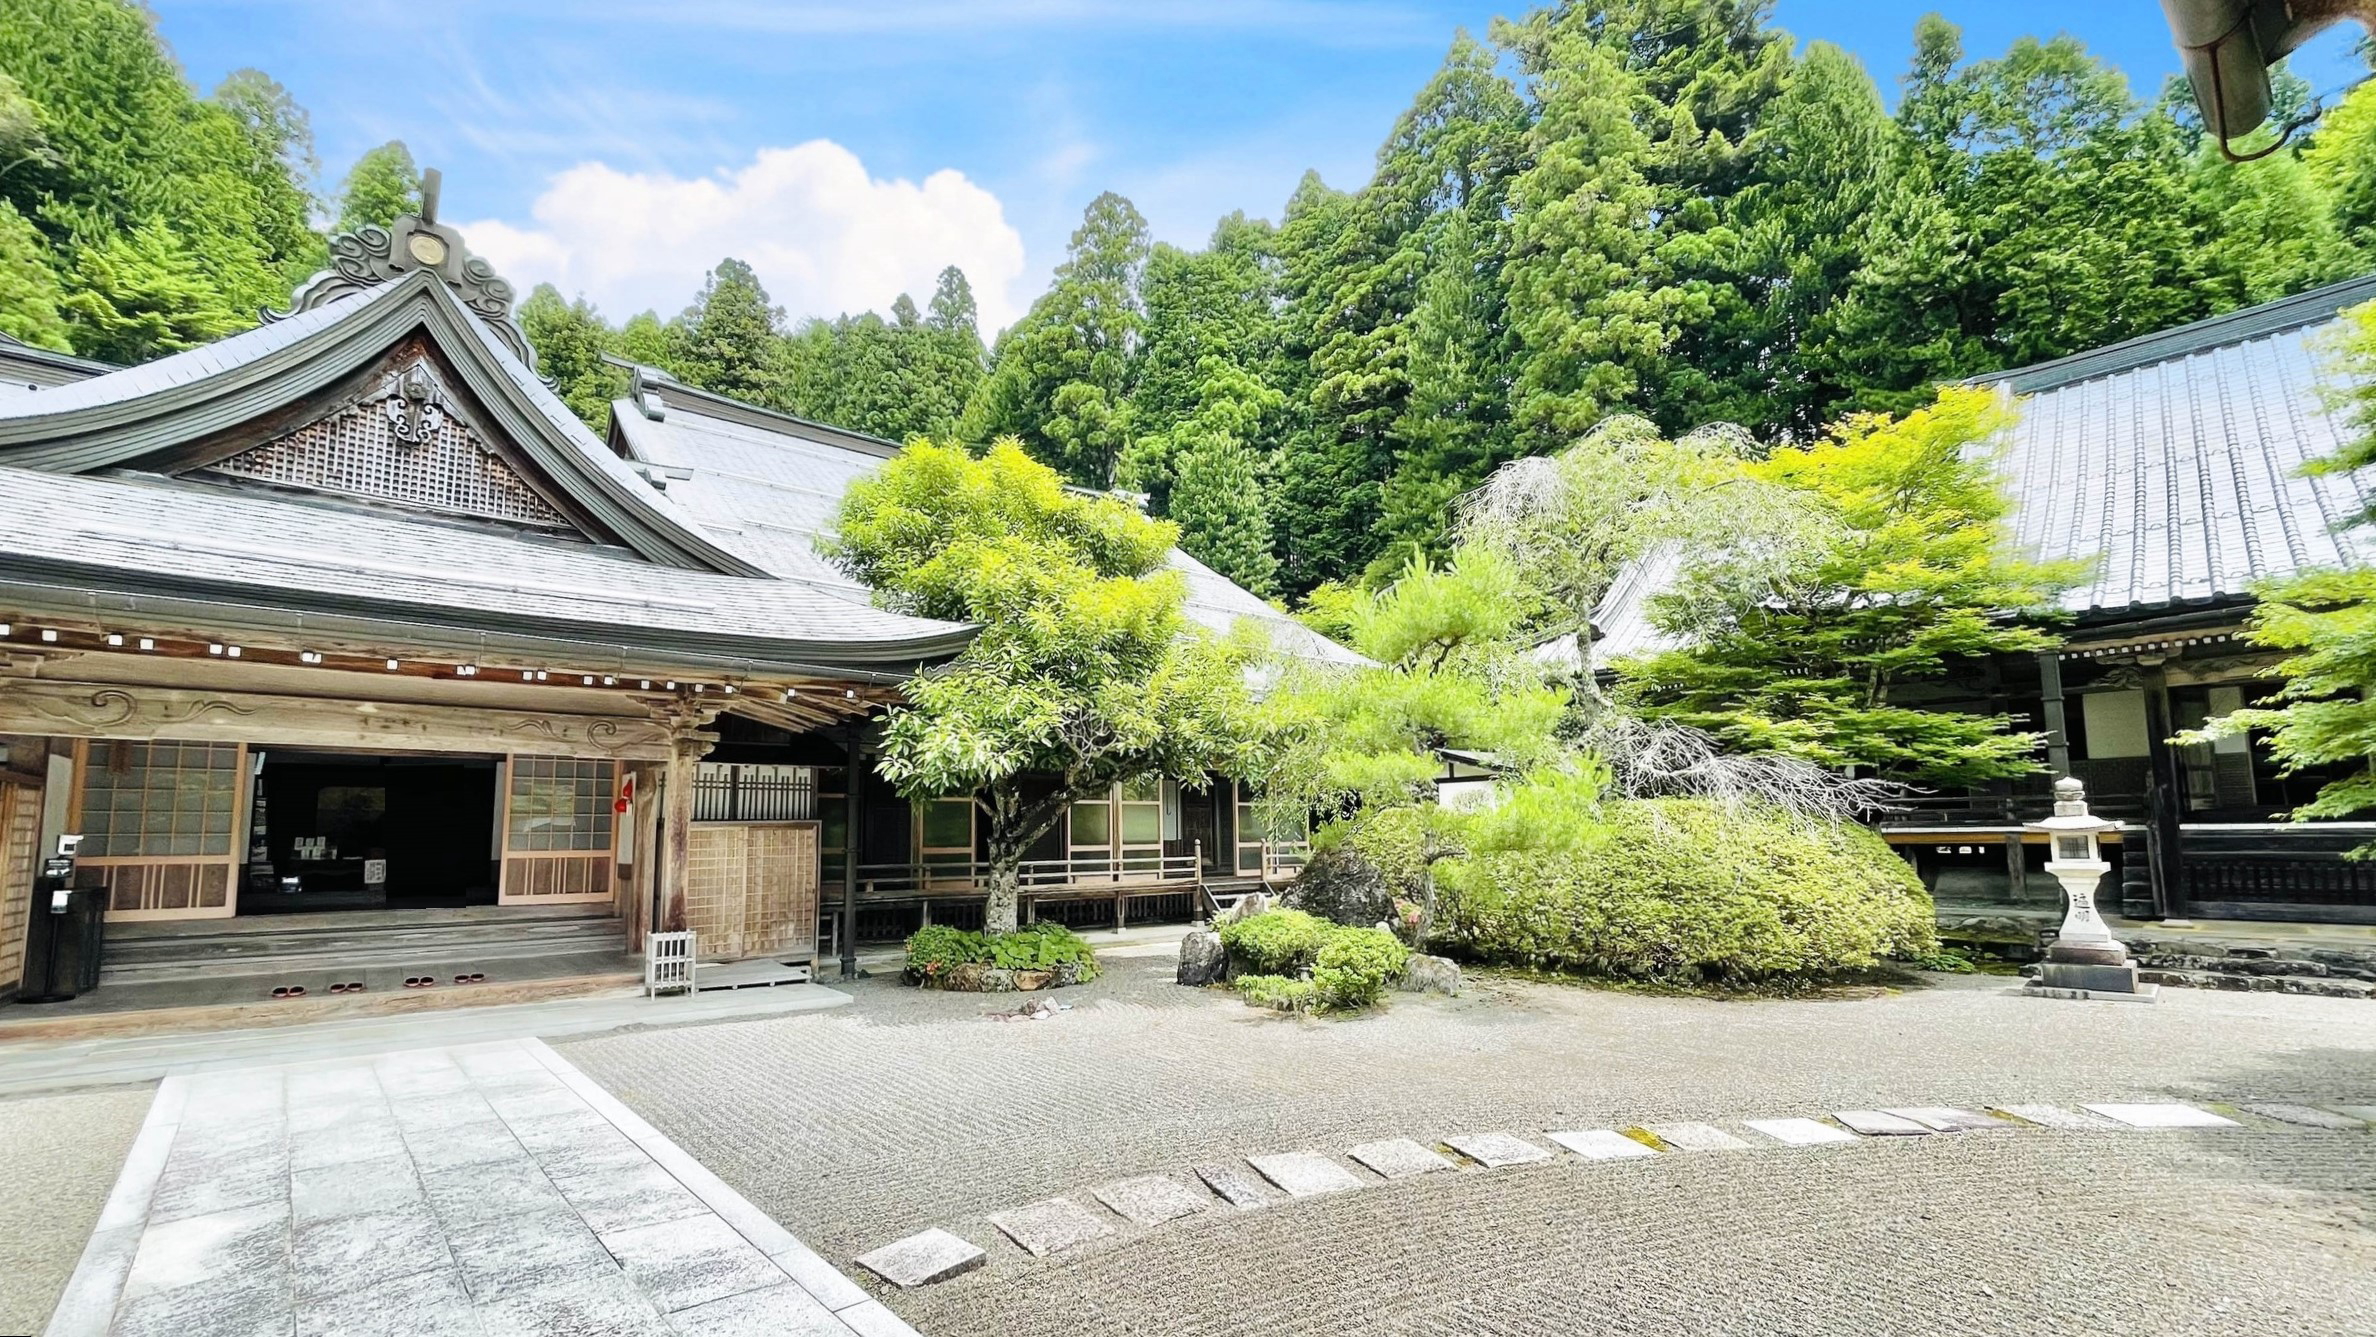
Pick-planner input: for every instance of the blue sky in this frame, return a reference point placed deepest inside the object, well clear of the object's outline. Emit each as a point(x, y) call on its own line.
point(849, 148)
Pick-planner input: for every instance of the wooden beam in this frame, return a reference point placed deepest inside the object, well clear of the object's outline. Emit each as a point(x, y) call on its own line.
point(85, 710)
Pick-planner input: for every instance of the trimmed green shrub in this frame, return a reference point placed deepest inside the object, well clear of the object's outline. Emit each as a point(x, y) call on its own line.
point(935, 951)
point(1277, 992)
point(1275, 942)
point(1354, 965)
point(1678, 890)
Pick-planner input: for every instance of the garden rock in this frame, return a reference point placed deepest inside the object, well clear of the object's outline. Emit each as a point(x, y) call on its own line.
point(919, 1260)
point(1151, 1200)
point(1032, 981)
point(1202, 959)
point(998, 981)
point(1398, 1158)
point(1068, 973)
point(1430, 974)
point(1050, 1225)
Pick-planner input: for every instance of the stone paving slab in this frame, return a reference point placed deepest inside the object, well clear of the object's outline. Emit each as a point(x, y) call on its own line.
point(1602, 1144)
point(923, 1258)
point(1696, 1137)
point(1494, 1150)
point(2163, 1116)
point(1151, 1200)
point(2307, 1116)
point(1235, 1186)
point(2364, 1113)
point(2055, 1116)
point(1800, 1132)
point(1302, 1174)
point(1050, 1225)
point(416, 1193)
point(1398, 1158)
point(1948, 1119)
point(1876, 1123)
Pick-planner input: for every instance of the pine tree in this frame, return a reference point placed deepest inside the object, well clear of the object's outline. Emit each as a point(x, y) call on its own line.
point(1217, 502)
point(726, 341)
point(1060, 379)
point(381, 187)
point(570, 339)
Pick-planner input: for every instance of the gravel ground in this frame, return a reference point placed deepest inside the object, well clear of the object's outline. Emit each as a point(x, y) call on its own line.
point(907, 1110)
point(58, 1159)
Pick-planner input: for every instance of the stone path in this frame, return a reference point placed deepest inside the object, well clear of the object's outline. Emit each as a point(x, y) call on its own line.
point(462, 1192)
point(1055, 1225)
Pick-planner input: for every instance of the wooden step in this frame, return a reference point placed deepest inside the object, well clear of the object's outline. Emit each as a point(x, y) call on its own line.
point(429, 946)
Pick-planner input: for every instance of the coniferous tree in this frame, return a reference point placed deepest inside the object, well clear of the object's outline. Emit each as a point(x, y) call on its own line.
point(726, 340)
point(570, 339)
point(381, 187)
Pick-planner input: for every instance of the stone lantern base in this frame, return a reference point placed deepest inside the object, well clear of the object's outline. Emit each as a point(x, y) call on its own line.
point(2097, 970)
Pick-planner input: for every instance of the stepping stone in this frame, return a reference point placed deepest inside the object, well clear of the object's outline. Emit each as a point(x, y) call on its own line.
point(2054, 1116)
point(1801, 1132)
point(1602, 1144)
point(1945, 1119)
point(2308, 1117)
point(921, 1259)
point(1874, 1123)
point(1050, 1225)
point(1696, 1137)
point(1494, 1150)
point(2364, 1113)
point(2162, 1116)
point(1151, 1200)
point(1234, 1185)
point(1303, 1174)
point(1398, 1158)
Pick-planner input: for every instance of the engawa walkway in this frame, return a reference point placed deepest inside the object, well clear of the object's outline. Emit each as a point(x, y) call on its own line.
point(482, 1190)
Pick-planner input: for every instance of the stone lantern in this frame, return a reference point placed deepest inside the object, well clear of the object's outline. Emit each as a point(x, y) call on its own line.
point(2084, 960)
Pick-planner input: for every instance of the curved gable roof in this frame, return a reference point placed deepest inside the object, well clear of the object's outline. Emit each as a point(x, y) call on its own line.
point(119, 419)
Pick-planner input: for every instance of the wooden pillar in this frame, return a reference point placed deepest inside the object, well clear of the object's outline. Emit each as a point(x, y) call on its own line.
point(687, 746)
point(2050, 697)
point(2166, 802)
point(845, 932)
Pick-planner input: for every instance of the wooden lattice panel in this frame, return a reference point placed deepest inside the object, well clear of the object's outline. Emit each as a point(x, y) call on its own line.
point(159, 888)
point(360, 451)
point(751, 888)
point(568, 877)
point(20, 860)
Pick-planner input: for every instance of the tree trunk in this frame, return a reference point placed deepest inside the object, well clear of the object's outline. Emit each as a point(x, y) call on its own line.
point(1002, 878)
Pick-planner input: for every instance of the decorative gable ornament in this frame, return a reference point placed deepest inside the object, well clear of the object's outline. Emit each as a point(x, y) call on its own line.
point(372, 255)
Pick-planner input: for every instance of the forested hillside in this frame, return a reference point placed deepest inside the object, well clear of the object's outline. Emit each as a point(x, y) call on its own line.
point(1663, 207)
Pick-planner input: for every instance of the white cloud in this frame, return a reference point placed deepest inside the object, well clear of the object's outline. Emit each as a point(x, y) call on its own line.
point(823, 235)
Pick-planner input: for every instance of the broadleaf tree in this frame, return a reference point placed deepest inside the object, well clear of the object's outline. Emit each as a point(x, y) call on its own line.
point(1085, 672)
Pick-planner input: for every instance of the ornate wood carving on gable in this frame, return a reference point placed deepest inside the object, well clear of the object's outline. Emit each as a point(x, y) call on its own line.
point(403, 439)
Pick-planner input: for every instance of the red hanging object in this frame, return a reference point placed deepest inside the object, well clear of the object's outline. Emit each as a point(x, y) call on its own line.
point(626, 793)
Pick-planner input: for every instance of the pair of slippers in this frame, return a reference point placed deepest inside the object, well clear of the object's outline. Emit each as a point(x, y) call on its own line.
point(356, 987)
point(468, 979)
point(420, 981)
point(289, 991)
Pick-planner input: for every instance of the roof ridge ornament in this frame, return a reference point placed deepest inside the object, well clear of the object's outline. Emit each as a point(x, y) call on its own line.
point(371, 255)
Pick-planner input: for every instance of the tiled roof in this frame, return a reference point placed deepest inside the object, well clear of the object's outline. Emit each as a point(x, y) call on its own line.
point(2172, 462)
point(145, 536)
point(767, 485)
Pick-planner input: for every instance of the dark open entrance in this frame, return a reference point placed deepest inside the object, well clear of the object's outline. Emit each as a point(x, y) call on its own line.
point(337, 831)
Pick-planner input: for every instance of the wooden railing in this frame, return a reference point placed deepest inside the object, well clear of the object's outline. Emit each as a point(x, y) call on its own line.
point(1087, 876)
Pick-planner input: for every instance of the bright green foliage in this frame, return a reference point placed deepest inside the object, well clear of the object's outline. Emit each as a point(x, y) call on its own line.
point(1684, 892)
point(382, 186)
point(1355, 965)
point(1275, 942)
point(1807, 654)
point(1085, 668)
point(1061, 380)
point(935, 951)
point(140, 295)
point(2326, 622)
point(2341, 159)
point(570, 339)
point(727, 340)
point(190, 213)
point(30, 296)
point(644, 339)
point(1277, 992)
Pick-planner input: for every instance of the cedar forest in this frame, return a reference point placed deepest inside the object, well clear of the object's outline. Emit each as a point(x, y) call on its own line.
point(1657, 207)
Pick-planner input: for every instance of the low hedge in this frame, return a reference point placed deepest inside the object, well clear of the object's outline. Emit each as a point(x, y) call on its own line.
point(1290, 960)
point(936, 954)
point(1677, 890)
point(1275, 942)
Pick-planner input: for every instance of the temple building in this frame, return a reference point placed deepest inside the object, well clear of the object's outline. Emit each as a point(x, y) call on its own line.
point(2172, 466)
point(345, 647)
